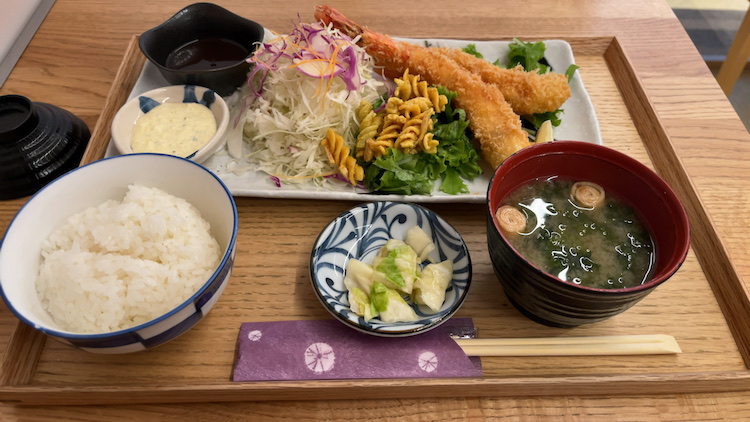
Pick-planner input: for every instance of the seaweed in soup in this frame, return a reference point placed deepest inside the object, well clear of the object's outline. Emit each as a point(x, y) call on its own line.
point(606, 246)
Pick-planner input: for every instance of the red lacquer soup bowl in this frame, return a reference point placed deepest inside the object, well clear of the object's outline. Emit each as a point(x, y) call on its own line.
point(549, 300)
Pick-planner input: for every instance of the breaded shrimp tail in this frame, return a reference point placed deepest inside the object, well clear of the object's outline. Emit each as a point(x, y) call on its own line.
point(494, 124)
point(330, 15)
point(526, 92)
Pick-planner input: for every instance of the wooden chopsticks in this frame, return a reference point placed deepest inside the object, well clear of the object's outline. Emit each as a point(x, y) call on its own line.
point(657, 344)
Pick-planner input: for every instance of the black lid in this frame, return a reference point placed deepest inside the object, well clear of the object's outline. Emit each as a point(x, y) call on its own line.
point(38, 143)
point(17, 118)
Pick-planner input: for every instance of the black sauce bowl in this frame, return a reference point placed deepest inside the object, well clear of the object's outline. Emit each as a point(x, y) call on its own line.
point(201, 21)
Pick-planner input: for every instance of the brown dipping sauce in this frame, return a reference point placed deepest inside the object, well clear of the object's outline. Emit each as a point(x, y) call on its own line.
point(206, 54)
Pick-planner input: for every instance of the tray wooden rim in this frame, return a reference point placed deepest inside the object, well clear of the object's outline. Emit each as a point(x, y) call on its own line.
point(26, 344)
point(645, 384)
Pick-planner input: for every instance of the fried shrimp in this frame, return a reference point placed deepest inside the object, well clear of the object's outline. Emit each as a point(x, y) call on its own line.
point(526, 92)
point(492, 120)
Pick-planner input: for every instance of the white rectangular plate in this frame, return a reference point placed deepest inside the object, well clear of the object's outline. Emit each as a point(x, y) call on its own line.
point(579, 122)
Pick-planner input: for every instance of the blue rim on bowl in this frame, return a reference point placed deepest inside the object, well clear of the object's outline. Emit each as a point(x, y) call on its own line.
point(146, 335)
point(359, 233)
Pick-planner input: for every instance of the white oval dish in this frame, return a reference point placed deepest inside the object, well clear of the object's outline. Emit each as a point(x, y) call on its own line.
point(126, 118)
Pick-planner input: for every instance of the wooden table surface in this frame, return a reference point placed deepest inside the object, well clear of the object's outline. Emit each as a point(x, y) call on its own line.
point(72, 60)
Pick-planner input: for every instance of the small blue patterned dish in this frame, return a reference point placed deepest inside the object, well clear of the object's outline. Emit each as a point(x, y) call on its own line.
point(359, 233)
point(126, 118)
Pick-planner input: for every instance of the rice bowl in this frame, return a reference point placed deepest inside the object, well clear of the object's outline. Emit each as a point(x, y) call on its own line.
point(90, 186)
point(121, 264)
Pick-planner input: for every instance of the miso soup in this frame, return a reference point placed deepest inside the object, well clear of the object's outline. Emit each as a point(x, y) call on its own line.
point(601, 246)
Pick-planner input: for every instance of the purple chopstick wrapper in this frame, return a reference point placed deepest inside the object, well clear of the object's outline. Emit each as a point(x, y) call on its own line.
point(326, 349)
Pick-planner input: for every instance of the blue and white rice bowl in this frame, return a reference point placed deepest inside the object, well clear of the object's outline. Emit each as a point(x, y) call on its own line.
point(359, 233)
point(92, 185)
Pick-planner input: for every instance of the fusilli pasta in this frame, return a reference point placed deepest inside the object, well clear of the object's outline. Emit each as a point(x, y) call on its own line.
point(409, 86)
point(391, 107)
point(338, 154)
point(375, 148)
point(404, 123)
point(415, 106)
point(392, 125)
point(428, 144)
point(369, 127)
point(414, 131)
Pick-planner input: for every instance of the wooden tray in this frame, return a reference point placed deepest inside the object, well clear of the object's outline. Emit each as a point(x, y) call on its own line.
point(704, 305)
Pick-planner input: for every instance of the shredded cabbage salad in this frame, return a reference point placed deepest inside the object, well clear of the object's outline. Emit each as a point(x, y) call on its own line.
point(302, 84)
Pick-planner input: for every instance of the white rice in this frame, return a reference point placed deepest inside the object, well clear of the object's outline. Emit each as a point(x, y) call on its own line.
point(121, 264)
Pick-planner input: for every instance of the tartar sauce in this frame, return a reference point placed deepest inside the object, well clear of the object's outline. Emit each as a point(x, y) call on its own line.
point(174, 128)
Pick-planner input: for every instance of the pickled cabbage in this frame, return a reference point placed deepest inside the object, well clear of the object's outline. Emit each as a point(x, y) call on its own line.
point(395, 271)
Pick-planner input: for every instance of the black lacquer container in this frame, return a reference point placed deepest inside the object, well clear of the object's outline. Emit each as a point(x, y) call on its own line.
point(545, 298)
point(38, 143)
point(194, 24)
